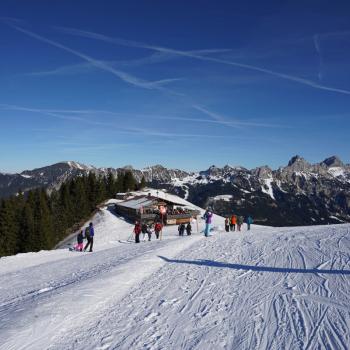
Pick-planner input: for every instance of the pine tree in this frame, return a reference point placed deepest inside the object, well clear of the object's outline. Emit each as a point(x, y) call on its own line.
point(101, 191)
point(9, 228)
point(129, 182)
point(142, 183)
point(44, 229)
point(111, 185)
point(92, 191)
point(27, 229)
point(119, 184)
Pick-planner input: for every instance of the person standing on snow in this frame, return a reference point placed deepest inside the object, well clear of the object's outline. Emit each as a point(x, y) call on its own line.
point(144, 231)
point(181, 229)
point(137, 231)
point(240, 221)
point(208, 216)
point(157, 229)
point(189, 229)
point(149, 233)
point(249, 222)
point(227, 224)
point(89, 234)
point(233, 222)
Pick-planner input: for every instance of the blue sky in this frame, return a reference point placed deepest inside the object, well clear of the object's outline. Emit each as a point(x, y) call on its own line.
point(185, 84)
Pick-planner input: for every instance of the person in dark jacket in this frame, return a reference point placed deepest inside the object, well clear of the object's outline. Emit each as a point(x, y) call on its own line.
point(80, 239)
point(189, 229)
point(227, 225)
point(89, 235)
point(137, 231)
point(181, 229)
point(144, 228)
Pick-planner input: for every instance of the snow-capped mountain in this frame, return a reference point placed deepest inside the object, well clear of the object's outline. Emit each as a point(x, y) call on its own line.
point(49, 176)
point(297, 194)
point(300, 193)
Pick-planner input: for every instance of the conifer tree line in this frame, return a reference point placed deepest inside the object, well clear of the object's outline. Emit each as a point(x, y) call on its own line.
point(36, 220)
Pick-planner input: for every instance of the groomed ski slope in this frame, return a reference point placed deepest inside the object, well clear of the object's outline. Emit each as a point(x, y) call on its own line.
point(270, 288)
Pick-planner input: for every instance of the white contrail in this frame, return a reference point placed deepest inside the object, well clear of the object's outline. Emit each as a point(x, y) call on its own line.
point(238, 124)
point(317, 44)
point(76, 115)
point(99, 64)
point(155, 57)
point(193, 54)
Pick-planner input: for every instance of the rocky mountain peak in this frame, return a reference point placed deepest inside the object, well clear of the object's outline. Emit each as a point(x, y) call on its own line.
point(298, 163)
point(333, 161)
point(212, 171)
point(157, 167)
point(262, 172)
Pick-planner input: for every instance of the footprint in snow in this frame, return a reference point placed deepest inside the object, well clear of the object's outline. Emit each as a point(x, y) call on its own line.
point(151, 315)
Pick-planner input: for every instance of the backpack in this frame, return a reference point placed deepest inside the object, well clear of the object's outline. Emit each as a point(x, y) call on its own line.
point(87, 233)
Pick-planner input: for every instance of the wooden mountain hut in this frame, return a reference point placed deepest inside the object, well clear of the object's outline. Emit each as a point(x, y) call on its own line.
point(149, 209)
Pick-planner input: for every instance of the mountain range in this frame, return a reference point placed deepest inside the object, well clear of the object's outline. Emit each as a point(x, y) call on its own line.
point(297, 194)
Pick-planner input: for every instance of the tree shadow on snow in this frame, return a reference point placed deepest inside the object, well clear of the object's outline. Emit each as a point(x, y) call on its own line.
point(212, 263)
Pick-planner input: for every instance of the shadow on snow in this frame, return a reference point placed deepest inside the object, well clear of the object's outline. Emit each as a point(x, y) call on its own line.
point(212, 263)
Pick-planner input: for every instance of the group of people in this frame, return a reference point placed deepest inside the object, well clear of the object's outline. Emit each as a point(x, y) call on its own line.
point(230, 225)
point(183, 227)
point(87, 234)
point(237, 221)
point(146, 229)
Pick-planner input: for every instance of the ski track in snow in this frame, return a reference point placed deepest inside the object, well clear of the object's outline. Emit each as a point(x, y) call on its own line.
point(270, 288)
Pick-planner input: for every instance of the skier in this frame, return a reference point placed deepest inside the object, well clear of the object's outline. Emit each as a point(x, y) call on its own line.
point(233, 222)
point(181, 229)
point(137, 231)
point(227, 224)
point(240, 221)
point(249, 222)
point(79, 245)
point(89, 234)
point(157, 229)
point(144, 231)
point(208, 216)
point(189, 229)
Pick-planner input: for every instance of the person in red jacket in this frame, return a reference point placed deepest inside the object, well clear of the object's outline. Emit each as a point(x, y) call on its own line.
point(137, 231)
point(157, 229)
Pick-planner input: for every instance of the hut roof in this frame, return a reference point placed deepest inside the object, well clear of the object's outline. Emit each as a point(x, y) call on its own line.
point(144, 202)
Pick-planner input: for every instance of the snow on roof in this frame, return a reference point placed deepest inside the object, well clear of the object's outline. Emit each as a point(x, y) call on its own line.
point(162, 195)
point(138, 202)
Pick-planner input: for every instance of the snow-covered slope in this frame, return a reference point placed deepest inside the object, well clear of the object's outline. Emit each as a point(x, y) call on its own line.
point(269, 288)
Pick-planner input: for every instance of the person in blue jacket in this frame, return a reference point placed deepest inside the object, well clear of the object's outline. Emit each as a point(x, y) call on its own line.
point(249, 222)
